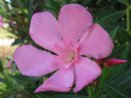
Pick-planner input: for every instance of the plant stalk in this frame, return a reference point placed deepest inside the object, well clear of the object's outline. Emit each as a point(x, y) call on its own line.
point(128, 18)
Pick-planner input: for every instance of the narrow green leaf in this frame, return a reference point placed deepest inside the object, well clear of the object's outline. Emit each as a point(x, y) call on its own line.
point(124, 79)
point(114, 32)
point(1, 67)
point(63, 96)
point(69, 96)
point(104, 76)
point(98, 2)
point(114, 92)
point(121, 68)
point(123, 1)
point(111, 15)
point(104, 96)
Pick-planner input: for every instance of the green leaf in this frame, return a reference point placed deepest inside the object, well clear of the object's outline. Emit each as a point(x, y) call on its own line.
point(104, 96)
point(123, 36)
point(104, 76)
point(108, 17)
point(53, 6)
point(98, 2)
point(69, 96)
point(1, 66)
point(121, 68)
point(114, 32)
point(124, 80)
point(121, 52)
point(123, 1)
point(115, 92)
point(63, 96)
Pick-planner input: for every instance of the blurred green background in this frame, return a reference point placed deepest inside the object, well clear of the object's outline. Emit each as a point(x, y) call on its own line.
point(113, 15)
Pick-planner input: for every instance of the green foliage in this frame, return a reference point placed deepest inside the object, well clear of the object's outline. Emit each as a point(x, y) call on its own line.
point(113, 15)
point(65, 96)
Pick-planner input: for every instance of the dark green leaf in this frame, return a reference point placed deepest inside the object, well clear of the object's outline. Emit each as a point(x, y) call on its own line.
point(114, 32)
point(64, 96)
point(124, 79)
point(123, 1)
point(114, 92)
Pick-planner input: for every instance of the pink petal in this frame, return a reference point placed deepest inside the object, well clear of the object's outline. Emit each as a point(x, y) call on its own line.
point(111, 62)
point(74, 20)
point(44, 30)
point(85, 72)
point(33, 62)
point(96, 43)
point(61, 81)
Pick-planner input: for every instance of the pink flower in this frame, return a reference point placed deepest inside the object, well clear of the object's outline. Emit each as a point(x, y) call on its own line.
point(72, 37)
point(1, 21)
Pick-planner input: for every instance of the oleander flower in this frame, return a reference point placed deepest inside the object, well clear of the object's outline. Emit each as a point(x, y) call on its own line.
point(74, 39)
point(1, 21)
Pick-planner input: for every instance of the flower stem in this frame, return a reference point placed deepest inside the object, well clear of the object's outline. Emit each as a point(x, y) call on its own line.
point(128, 17)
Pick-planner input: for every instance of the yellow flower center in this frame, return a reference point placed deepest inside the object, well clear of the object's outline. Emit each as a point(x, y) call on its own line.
point(70, 57)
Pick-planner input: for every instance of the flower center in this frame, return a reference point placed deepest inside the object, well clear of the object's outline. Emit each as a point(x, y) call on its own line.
point(70, 57)
point(68, 54)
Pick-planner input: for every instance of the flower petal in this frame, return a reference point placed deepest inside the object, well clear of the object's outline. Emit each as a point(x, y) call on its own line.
point(74, 20)
point(61, 81)
point(85, 72)
point(33, 62)
point(96, 43)
point(44, 30)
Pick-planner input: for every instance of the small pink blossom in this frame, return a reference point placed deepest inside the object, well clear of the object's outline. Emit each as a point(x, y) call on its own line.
point(1, 21)
point(72, 37)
